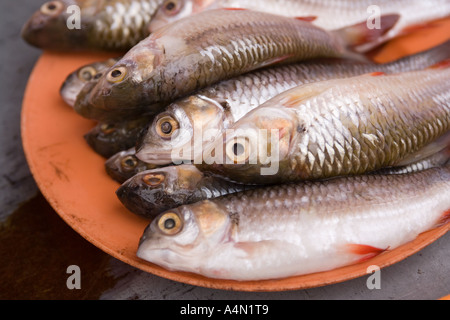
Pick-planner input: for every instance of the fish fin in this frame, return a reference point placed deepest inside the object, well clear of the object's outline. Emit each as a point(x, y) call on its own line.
point(444, 219)
point(307, 19)
point(432, 148)
point(254, 248)
point(359, 34)
point(441, 65)
point(274, 61)
point(367, 252)
point(294, 98)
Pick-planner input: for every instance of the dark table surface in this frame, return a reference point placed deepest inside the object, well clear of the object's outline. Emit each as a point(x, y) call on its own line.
point(36, 246)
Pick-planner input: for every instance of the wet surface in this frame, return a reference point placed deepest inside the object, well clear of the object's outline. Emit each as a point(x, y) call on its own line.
point(38, 247)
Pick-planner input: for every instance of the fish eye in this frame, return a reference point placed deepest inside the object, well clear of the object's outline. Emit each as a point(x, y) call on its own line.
point(87, 73)
point(170, 223)
point(238, 150)
point(129, 163)
point(153, 179)
point(116, 75)
point(52, 8)
point(166, 126)
point(172, 7)
point(107, 128)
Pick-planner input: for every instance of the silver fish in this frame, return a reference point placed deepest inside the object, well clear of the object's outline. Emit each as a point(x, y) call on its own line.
point(289, 230)
point(174, 134)
point(337, 127)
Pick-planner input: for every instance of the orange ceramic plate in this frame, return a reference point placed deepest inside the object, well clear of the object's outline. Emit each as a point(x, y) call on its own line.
point(72, 178)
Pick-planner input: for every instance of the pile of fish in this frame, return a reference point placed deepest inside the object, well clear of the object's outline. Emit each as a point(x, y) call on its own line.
point(258, 137)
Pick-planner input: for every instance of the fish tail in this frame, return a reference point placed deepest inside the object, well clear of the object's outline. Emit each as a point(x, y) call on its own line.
point(361, 34)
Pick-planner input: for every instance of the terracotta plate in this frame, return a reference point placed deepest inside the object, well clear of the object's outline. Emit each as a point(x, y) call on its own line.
point(72, 177)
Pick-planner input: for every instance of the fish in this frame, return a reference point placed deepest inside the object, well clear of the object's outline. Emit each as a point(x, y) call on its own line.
point(337, 127)
point(109, 138)
point(439, 159)
point(276, 232)
point(330, 15)
point(152, 192)
point(174, 133)
point(183, 57)
point(76, 80)
point(124, 165)
point(90, 25)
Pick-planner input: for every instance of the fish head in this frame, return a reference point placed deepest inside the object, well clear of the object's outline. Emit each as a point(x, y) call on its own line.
point(133, 82)
point(258, 140)
point(48, 27)
point(186, 237)
point(174, 10)
point(83, 107)
point(151, 192)
point(171, 136)
point(102, 138)
point(75, 81)
point(124, 164)
point(110, 137)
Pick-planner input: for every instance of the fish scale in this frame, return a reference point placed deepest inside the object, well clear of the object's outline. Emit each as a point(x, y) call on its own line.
point(124, 23)
point(397, 147)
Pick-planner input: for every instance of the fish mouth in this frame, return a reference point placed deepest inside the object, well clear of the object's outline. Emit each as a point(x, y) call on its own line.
point(32, 29)
point(129, 196)
point(159, 159)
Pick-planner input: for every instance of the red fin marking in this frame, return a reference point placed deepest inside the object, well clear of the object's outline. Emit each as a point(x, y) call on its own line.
point(441, 65)
point(377, 74)
point(307, 19)
point(445, 218)
point(367, 251)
